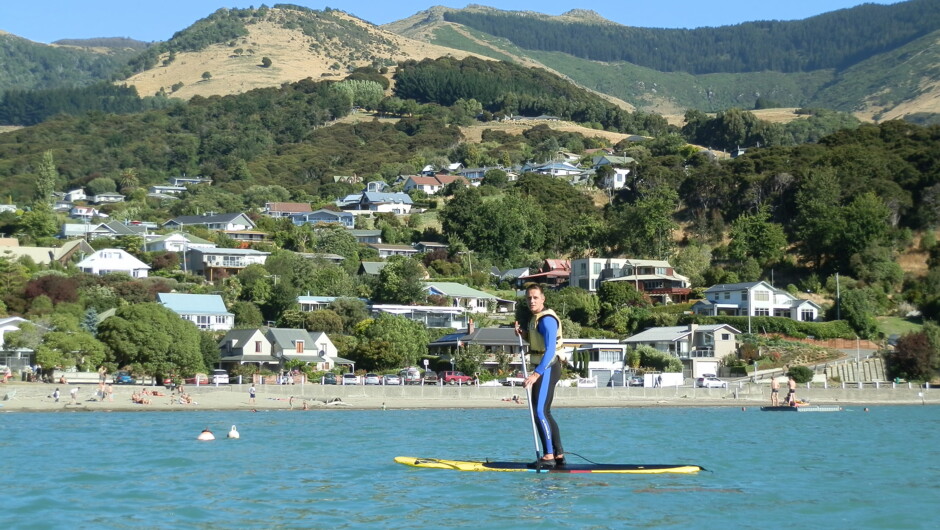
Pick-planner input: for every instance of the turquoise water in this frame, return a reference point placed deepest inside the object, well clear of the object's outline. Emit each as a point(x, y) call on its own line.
point(334, 468)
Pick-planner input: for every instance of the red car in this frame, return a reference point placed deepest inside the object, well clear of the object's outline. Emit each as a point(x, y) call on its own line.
point(453, 378)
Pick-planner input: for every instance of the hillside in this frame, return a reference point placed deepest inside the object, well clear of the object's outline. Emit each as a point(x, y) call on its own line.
point(890, 76)
point(299, 43)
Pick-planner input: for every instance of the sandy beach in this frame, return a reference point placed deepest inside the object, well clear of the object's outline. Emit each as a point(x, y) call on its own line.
point(37, 397)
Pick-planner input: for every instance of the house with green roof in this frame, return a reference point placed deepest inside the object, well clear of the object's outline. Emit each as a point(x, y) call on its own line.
point(474, 300)
point(207, 311)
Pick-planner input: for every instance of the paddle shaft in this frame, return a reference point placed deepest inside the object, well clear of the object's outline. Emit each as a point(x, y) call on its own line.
point(528, 393)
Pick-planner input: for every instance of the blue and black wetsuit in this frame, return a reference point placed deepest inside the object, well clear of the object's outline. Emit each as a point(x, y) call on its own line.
point(543, 390)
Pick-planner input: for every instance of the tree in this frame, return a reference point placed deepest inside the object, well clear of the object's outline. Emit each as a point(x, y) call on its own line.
point(858, 308)
point(351, 310)
point(325, 320)
point(265, 62)
point(916, 355)
point(206, 76)
point(754, 236)
point(818, 220)
point(153, 338)
point(400, 282)
point(66, 350)
point(100, 185)
point(47, 179)
point(247, 314)
point(390, 341)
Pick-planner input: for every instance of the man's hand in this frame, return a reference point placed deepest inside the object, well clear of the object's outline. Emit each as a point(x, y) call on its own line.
point(530, 380)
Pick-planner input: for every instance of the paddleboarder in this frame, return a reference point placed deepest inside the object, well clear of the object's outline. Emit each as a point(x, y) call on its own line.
point(545, 337)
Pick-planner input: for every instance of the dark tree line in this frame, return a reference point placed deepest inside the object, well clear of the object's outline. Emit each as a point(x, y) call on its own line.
point(507, 89)
point(832, 40)
point(29, 107)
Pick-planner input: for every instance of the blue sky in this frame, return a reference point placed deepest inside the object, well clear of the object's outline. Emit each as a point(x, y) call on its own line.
point(50, 20)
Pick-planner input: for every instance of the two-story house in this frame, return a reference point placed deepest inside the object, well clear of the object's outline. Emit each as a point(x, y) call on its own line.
point(246, 346)
point(431, 184)
point(110, 260)
point(755, 299)
point(206, 311)
point(656, 278)
point(699, 347)
point(554, 273)
point(499, 344)
point(311, 347)
point(215, 262)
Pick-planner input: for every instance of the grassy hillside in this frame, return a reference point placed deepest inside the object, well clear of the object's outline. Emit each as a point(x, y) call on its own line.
point(893, 77)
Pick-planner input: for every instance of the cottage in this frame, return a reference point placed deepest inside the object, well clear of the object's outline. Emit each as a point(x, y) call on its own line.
point(206, 311)
point(286, 209)
point(475, 301)
point(344, 219)
point(222, 221)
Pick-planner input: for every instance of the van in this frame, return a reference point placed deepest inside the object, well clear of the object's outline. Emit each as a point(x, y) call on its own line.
point(410, 377)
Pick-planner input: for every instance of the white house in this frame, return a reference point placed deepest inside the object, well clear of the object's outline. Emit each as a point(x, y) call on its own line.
point(756, 299)
point(206, 311)
point(109, 260)
point(656, 278)
point(699, 347)
point(9, 324)
point(177, 242)
point(222, 221)
point(474, 300)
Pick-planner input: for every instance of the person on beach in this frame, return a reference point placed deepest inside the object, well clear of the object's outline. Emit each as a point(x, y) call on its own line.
point(55, 395)
point(545, 337)
point(791, 391)
point(774, 392)
point(74, 395)
point(251, 394)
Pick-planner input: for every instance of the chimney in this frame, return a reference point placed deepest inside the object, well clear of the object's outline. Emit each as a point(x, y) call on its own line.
point(470, 327)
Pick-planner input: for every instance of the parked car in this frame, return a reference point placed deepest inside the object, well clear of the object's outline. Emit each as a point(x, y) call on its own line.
point(391, 379)
point(410, 377)
point(430, 378)
point(710, 382)
point(124, 378)
point(198, 379)
point(330, 379)
point(453, 378)
point(350, 379)
point(219, 377)
point(373, 379)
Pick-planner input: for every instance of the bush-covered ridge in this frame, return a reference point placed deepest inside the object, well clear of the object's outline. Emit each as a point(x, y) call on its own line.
point(832, 40)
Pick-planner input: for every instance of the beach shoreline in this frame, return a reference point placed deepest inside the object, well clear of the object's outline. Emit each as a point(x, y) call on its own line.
point(37, 397)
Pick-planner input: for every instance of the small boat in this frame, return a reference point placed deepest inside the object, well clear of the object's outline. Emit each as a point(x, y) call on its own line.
point(803, 408)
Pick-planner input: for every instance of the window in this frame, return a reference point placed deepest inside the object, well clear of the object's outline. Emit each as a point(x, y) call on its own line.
point(762, 296)
point(744, 295)
point(220, 319)
point(727, 295)
point(583, 283)
point(594, 284)
point(584, 268)
point(300, 346)
point(807, 315)
point(609, 356)
point(597, 268)
point(725, 336)
point(257, 346)
point(661, 270)
point(761, 312)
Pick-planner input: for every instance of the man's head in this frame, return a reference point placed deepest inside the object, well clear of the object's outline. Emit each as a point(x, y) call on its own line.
point(535, 297)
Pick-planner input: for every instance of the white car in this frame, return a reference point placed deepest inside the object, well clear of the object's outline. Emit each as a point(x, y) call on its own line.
point(220, 377)
point(710, 382)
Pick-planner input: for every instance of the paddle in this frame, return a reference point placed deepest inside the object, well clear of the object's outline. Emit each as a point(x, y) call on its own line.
point(528, 393)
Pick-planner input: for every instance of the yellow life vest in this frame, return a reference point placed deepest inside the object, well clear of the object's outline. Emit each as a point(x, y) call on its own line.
point(536, 340)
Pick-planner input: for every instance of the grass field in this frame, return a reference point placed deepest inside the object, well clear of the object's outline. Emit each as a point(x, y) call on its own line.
point(898, 325)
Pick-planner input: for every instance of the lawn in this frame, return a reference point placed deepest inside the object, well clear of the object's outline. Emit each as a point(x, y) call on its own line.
point(899, 325)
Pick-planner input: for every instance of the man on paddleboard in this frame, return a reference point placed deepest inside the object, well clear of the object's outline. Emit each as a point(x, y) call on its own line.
point(544, 336)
